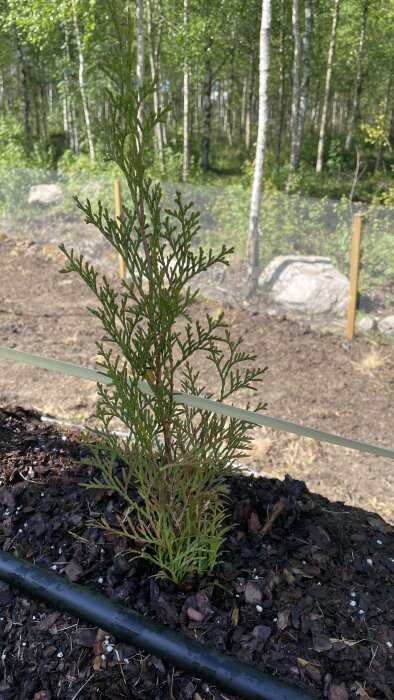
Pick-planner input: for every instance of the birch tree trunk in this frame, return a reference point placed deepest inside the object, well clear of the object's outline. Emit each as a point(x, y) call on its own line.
point(186, 145)
point(255, 201)
point(327, 86)
point(81, 81)
point(359, 75)
point(281, 97)
point(206, 139)
point(295, 100)
point(296, 69)
point(153, 57)
point(304, 89)
point(24, 96)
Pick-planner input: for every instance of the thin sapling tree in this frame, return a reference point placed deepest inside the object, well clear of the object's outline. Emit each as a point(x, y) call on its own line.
point(171, 470)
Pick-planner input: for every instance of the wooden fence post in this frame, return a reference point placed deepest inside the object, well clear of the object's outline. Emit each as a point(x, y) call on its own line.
point(354, 270)
point(118, 214)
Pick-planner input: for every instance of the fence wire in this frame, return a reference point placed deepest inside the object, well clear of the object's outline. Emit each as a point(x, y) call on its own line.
point(290, 225)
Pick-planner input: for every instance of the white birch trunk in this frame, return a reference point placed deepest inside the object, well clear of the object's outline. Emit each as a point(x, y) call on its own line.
point(304, 89)
point(359, 74)
point(186, 145)
point(324, 115)
point(81, 81)
point(155, 76)
point(281, 96)
point(295, 100)
point(296, 69)
point(255, 201)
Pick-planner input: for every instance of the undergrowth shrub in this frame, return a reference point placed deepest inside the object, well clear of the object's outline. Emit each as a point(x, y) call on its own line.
point(171, 469)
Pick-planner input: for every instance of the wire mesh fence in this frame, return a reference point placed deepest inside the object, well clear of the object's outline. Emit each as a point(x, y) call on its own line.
point(290, 225)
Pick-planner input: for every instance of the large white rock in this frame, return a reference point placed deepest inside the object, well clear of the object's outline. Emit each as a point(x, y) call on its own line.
point(386, 324)
point(306, 283)
point(45, 194)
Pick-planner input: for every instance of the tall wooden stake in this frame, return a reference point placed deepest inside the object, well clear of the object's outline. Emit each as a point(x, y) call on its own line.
point(118, 214)
point(354, 270)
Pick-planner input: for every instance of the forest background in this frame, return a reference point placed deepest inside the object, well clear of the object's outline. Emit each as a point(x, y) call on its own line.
point(330, 129)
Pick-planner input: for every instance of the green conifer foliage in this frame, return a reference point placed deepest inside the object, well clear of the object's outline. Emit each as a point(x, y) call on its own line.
point(171, 471)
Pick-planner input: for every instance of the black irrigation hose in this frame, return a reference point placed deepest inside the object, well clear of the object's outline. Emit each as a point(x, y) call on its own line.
point(126, 625)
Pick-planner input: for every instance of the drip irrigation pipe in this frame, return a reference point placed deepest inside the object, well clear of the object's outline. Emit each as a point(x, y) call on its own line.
point(130, 627)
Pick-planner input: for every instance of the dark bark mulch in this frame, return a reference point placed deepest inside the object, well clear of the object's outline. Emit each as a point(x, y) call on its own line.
point(309, 601)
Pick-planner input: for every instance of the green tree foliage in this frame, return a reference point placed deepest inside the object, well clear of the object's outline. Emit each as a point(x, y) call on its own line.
point(40, 86)
point(170, 471)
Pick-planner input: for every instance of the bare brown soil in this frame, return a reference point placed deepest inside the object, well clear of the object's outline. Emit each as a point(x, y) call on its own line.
point(315, 378)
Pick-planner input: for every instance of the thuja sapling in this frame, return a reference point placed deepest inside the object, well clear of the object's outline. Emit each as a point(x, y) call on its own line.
point(171, 470)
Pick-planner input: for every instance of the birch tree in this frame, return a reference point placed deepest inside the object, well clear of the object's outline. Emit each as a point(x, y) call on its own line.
point(282, 85)
point(186, 145)
point(255, 201)
point(327, 87)
point(358, 80)
point(81, 81)
point(298, 129)
point(154, 34)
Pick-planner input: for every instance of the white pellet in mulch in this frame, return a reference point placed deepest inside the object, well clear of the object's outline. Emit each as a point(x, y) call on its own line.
point(54, 567)
point(370, 562)
point(361, 612)
point(379, 542)
point(109, 648)
point(60, 655)
point(353, 594)
point(389, 644)
point(353, 603)
point(103, 656)
point(100, 580)
point(259, 608)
